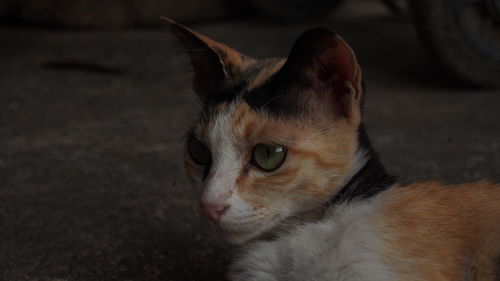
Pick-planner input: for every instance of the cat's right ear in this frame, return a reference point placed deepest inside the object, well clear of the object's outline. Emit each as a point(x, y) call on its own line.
point(215, 65)
point(323, 61)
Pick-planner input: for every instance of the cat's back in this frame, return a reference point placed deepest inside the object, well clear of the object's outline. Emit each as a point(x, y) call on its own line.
point(467, 211)
point(443, 232)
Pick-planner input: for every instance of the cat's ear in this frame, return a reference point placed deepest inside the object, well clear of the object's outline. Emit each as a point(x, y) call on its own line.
point(215, 64)
point(323, 61)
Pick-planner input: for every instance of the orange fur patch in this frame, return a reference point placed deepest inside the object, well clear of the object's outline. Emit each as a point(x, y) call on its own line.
point(265, 74)
point(313, 153)
point(443, 232)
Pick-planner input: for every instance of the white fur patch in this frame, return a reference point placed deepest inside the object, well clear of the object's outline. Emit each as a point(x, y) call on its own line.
point(341, 247)
point(240, 221)
point(226, 164)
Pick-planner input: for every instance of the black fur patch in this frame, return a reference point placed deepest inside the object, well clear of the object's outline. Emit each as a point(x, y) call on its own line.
point(370, 180)
point(273, 96)
point(276, 96)
point(225, 95)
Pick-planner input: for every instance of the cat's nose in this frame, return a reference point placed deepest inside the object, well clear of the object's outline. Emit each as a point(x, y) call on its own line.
point(214, 211)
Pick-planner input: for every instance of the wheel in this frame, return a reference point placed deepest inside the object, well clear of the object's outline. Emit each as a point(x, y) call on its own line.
point(297, 9)
point(463, 35)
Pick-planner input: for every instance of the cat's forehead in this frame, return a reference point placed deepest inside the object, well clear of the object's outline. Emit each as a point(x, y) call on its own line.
point(258, 106)
point(236, 122)
point(254, 85)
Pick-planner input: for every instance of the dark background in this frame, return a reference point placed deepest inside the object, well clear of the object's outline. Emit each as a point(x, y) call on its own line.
point(94, 100)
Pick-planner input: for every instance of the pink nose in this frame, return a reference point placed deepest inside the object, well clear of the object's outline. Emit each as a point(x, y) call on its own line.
point(213, 211)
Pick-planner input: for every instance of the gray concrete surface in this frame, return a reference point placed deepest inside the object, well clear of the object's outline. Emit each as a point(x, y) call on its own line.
point(117, 13)
point(91, 125)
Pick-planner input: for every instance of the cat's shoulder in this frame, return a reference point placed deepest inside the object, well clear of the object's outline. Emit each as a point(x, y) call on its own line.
point(436, 186)
point(437, 204)
point(425, 194)
point(438, 222)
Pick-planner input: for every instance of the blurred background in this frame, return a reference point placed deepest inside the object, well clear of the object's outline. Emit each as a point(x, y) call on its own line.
point(95, 97)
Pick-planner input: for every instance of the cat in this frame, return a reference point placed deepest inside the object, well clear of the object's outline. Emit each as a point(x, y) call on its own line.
point(285, 169)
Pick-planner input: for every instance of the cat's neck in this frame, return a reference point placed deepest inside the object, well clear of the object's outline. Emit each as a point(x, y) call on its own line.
point(370, 179)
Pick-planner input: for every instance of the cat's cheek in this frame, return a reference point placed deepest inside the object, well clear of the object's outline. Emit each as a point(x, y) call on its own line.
point(242, 221)
point(194, 173)
point(195, 180)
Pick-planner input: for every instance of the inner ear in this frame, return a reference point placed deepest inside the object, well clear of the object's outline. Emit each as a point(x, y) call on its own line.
point(323, 61)
point(215, 65)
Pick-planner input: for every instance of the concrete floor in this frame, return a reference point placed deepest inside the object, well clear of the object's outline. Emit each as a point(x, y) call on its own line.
point(91, 126)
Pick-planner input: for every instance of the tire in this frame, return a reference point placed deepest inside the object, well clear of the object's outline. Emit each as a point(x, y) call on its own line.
point(293, 10)
point(443, 28)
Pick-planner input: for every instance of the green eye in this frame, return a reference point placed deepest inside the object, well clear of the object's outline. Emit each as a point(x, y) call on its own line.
point(199, 152)
point(269, 156)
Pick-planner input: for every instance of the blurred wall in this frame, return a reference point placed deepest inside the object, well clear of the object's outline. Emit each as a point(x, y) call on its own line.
point(116, 13)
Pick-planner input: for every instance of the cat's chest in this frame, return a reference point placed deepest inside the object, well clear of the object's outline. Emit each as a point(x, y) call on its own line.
point(344, 246)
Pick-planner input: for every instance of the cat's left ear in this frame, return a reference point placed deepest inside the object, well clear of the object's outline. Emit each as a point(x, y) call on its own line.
point(215, 64)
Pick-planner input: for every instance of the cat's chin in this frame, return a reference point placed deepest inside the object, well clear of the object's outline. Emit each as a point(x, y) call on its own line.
point(252, 234)
point(238, 238)
point(271, 229)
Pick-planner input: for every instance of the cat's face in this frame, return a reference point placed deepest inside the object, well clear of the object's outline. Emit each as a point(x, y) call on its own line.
point(275, 138)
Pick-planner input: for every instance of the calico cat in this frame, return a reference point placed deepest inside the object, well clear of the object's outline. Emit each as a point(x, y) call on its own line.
point(284, 167)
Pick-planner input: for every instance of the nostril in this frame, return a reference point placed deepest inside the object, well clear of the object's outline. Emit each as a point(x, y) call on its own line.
point(214, 211)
